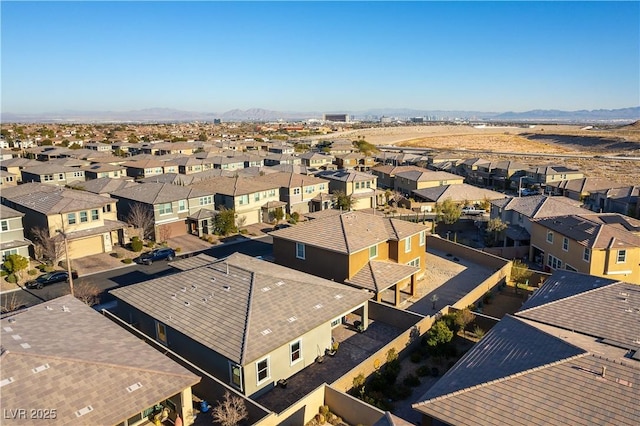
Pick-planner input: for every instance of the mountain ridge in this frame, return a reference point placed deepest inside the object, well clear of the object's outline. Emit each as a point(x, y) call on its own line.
point(160, 114)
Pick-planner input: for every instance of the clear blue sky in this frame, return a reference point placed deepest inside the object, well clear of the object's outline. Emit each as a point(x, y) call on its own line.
point(320, 56)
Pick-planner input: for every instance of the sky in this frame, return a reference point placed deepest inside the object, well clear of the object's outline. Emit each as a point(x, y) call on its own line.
point(319, 56)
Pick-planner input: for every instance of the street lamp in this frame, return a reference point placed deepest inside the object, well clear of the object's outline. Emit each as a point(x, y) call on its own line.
point(66, 254)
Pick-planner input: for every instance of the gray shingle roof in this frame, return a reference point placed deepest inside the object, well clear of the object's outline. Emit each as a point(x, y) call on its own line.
point(234, 186)
point(458, 192)
point(54, 202)
point(596, 231)
point(105, 185)
point(155, 193)
point(234, 321)
point(349, 232)
point(425, 175)
point(8, 212)
point(540, 206)
point(85, 359)
point(380, 275)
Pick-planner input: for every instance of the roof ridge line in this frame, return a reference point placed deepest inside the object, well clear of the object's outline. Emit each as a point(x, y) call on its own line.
point(243, 347)
point(84, 361)
point(505, 378)
point(344, 232)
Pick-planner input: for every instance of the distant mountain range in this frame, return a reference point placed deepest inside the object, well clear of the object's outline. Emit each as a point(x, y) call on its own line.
point(258, 114)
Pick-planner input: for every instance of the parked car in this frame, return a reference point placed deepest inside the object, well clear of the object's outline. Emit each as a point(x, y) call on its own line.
point(48, 278)
point(473, 211)
point(157, 254)
point(527, 192)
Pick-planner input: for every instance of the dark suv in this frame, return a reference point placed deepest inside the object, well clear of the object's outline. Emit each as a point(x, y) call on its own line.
point(48, 278)
point(157, 254)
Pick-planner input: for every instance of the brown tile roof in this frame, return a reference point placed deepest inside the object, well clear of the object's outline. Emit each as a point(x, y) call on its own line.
point(155, 193)
point(427, 175)
point(59, 200)
point(234, 186)
point(290, 180)
point(460, 192)
point(227, 305)
point(7, 212)
point(380, 275)
point(65, 356)
point(393, 170)
point(598, 231)
point(348, 232)
point(586, 184)
point(541, 206)
point(105, 185)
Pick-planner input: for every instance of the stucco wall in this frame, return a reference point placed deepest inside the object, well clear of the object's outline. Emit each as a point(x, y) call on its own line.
point(315, 262)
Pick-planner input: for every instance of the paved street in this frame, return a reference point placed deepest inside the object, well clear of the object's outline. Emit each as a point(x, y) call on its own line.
point(133, 274)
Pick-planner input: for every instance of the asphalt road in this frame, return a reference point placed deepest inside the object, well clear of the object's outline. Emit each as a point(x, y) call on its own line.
point(111, 279)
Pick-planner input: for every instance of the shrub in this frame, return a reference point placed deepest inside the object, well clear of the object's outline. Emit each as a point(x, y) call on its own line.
point(3, 273)
point(378, 382)
point(324, 409)
point(416, 357)
point(150, 244)
point(116, 255)
point(32, 272)
point(11, 278)
point(127, 260)
point(136, 245)
point(295, 216)
point(392, 355)
point(244, 231)
point(178, 249)
point(358, 382)
point(411, 380)
point(423, 371)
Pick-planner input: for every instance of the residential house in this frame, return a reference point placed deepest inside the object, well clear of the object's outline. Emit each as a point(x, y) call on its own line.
point(172, 148)
point(104, 170)
point(139, 169)
point(505, 173)
point(298, 191)
point(341, 146)
point(275, 159)
point(463, 194)
point(252, 200)
point(281, 148)
point(348, 161)
point(99, 146)
point(12, 240)
point(248, 322)
point(387, 158)
point(386, 174)
point(105, 186)
point(544, 175)
point(177, 210)
point(564, 352)
point(360, 249)
point(64, 363)
point(7, 179)
point(228, 162)
point(188, 179)
point(470, 167)
point(52, 174)
point(316, 160)
point(518, 212)
point(189, 165)
point(625, 200)
point(580, 189)
point(602, 244)
point(360, 186)
point(87, 221)
point(409, 181)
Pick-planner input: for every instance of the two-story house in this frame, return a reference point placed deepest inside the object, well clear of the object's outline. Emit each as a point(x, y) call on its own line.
point(625, 200)
point(463, 194)
point(316, 160)
point(88, 222)
point(360, 249)
point(176, 210)
point(275, 159)
point(360, 186)
point(409, 181)
point(12, 240)
point(139, 169)
point(386, 174)
point(52, 174)
point(252, 200)
point(15, 166)
point(103, 170)
point(7, 179)
point(605, 245)
point(544, 175)
point(348, 161)
point(297, 190)
point(248, 322)
point(580, 189)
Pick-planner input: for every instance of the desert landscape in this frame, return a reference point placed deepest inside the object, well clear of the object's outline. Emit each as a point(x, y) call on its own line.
point(510, 142)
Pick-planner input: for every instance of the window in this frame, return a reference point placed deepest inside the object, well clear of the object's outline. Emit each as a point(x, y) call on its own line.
point(296, 351)
point(309, 189)
point(622, 256)
point(95, 215)
point(368, 184)
point(553, 262)
point(415, 262)
point(205, 200)
point(321, 187)
point(357, 185)
point(8, 253)
point(272, 193)
point(243, 199)
point(550, 237)
point(71, 218)
point(300, 251)
point(78, 174)
point(565, 244)
point(60, 176)
point(262, 369)
point(336, 322)
point(423, 238)
point(407, 245)
point(373, 252)
point(165, 208)
point(236, 375)
point(106, 208)
point(586, 254)
point(5, 225)
point(182, 205)
point(47, 178)
point(84, 217)
point(296, 191)
point(161, 332)
point(256, 197)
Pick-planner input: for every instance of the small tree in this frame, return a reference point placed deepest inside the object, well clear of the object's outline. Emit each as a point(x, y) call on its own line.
point(15, 263)
point(520, 273)
point(278, 214)
point(464, 318)
point(230, 411)
point(47, 247)
point(87, 292)
point(448, 212)
point(438, 335)
point(141, 218)
point(225, 222)
point(496, 226)
point(344, 201)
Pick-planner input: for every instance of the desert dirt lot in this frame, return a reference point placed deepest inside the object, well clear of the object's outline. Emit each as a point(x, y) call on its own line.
point(490, 142)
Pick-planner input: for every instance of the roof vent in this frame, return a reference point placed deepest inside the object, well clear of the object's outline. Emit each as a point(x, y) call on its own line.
point(173, 296)
point(226, 287)
point(48, 308)
point(134, 387)
point(265, 289)
point(4, 382)
point(318, 306)
point(193, 287)
point(39, 369)
point(81, 412)
point(279, 283)
point(65, 308)
point(8, 329)
point(213, 279)
point(292, 319)
point(183, 289)
point(25, 345)
point(12, 320)
point(187, 303)
point(338, 296)
point(265, 331)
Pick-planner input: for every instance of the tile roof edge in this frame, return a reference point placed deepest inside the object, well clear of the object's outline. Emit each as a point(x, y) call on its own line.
point(243, 348)
point(503, 379)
